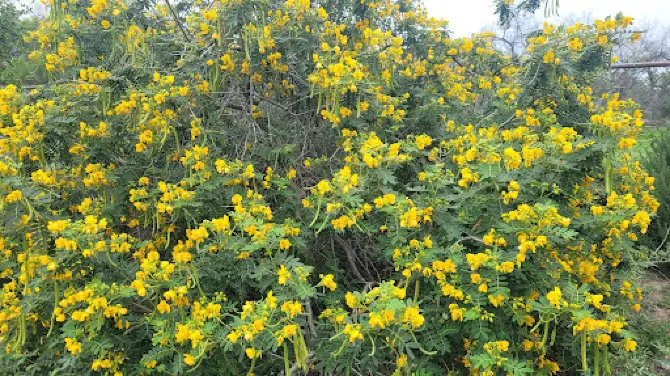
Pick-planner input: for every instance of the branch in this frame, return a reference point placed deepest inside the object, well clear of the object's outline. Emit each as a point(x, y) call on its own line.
point(663, 242)
point(472, 238)
point(176, 19)
point(350, 257)
point(646, 64)
point(310, 316)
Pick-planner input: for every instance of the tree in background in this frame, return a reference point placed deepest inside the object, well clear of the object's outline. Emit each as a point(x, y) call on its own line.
point(11, 31)
point(15, 22)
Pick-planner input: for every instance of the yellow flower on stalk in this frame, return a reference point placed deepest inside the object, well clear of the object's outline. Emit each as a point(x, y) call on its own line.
point(251, 353)
point(603, 338)
point(236, 199)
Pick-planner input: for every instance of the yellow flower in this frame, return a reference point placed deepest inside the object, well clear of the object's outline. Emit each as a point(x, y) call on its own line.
point(251, 352)
point(328, 281)
point(642, 219)
point(221, 224)
point(401, 361)
point(350, 300)
point(554, 297)
point(323, 187)
point(603, 338)
point(353, 332)
point(627, 143)
point(291, 308)
point(629, 345)
point(163, 307)
point(413, 317)
point(290, 330)
point(502, 346)
point(476, 259)
point(189, 359)
point(283, 275)
point(423, 141)
point(14, 196)
point(507, 267)
point(233, 336)
point(236, 199)
point(284, 244)
point(73, 346)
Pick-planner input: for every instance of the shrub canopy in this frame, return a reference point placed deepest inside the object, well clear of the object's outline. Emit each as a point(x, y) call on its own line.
point(263, 186)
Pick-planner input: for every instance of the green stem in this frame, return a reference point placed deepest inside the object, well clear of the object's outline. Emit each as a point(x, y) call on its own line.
point(316, 215)
point(545, 334)
point(109, 258)
point(585, 363)
point(287, 368)
point(253, 364)
point(596, 359)
point(608, 174)
point(53, 314)
point(197, 282)
point(417, 287)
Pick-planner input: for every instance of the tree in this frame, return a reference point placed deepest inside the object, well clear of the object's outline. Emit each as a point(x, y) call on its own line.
point(10, 31)
point(508, 11)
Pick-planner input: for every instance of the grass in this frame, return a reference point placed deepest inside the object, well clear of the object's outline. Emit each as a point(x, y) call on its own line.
point(652, 328)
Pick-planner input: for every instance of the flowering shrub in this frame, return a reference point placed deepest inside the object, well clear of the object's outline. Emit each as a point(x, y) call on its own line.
point(255, 187)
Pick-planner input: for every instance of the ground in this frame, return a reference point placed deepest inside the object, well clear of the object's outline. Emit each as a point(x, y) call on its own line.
point(652, 327)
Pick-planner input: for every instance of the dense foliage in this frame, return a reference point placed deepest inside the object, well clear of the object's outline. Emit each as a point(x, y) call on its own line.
point(333, 187)
point(655, 158)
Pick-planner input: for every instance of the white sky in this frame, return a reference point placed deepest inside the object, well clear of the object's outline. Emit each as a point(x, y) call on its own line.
point(469, 16)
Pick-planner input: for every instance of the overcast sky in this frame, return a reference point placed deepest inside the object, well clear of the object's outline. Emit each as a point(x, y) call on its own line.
point(469, 16)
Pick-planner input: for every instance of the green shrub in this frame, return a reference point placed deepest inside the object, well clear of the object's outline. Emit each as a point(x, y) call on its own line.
point(335, 187)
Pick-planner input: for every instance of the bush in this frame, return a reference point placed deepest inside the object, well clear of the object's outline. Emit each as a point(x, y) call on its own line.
point(655, 157)
point(267, 186)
